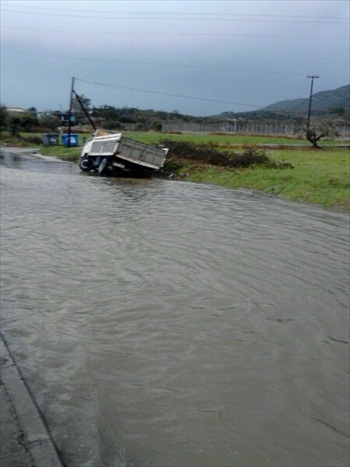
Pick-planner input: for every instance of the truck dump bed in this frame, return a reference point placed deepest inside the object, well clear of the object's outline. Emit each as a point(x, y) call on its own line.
point(105, 145)
point(140, 153)
point(127, 149)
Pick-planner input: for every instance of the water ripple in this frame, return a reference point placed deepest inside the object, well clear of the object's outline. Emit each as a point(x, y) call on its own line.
point(166, 322)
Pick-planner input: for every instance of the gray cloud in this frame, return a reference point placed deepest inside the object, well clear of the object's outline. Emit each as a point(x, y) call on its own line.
point(199, 57)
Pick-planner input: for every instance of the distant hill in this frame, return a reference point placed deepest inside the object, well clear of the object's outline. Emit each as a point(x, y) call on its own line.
point(324, 101)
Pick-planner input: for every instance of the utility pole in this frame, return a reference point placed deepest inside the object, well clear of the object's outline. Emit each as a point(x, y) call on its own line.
point(310, 100)
point(70, 112)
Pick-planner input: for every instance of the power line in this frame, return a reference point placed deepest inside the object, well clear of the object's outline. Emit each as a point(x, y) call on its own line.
point(242, 15)
point(165, 93)
point(311, 20)
point(183, 65)
point(176, 65)
point(320, 58)
point(118, 33)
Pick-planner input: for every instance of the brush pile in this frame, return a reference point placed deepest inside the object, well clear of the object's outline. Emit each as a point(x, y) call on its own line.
point(213, 155)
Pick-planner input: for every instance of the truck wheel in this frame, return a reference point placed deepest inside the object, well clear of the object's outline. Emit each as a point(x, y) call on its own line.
point(85, 164)
point(103, 167)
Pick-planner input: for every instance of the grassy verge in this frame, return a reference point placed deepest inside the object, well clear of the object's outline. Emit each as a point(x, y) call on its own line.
point(316, 176)
point(34, 140)
point(319, 177)
point(65, 154)
point(223, 139)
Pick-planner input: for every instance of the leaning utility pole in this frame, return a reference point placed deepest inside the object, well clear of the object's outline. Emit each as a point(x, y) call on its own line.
point(310, 100)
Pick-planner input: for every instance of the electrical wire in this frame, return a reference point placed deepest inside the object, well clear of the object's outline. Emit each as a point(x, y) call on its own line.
point(166, 93)
point(153, 33)
point(310, 20)
point(178, 14)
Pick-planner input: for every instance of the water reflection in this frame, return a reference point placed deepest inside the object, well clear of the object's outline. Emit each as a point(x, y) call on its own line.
point(31, 160)
point(12, 161)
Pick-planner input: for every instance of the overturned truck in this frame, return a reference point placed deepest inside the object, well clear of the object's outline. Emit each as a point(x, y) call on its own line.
point(113, 154)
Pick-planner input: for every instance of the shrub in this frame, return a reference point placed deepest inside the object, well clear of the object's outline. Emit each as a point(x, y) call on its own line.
point(32, 139)
point(210, 154)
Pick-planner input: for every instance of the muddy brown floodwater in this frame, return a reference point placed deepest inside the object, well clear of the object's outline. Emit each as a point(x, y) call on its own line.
point(163, 323)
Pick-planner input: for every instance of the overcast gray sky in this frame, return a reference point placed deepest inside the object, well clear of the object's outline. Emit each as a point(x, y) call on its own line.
point(196, 57)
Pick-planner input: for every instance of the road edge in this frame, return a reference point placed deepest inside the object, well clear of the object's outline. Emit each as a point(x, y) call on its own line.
point(36, 439)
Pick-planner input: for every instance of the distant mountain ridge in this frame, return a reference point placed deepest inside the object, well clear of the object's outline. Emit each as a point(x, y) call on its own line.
point(323, 101)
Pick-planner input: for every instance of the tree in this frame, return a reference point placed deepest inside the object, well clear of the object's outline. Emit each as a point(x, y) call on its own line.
point(49, 121)
point(21, 121)
point(29, 121)
point(108, 113)
point(315, 134)
point(4, 116)
point(77, 110)
point(14, 126)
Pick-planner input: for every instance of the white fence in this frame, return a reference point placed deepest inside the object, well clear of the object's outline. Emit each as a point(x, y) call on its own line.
point(229, 127)
point(246, 128)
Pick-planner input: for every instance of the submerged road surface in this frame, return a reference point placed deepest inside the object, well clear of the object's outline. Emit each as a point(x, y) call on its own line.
point(163, 323)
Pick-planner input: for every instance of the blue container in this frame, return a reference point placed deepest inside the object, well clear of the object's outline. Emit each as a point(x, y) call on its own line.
point(74, 140)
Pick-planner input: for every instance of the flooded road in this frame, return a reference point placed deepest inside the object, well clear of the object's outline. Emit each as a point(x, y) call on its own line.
point(163, 323)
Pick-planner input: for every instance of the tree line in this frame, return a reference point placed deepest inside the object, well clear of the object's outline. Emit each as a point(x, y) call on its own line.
point(126, 118)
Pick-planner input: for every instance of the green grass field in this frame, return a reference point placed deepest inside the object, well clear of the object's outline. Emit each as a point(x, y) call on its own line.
point(318, 176)
point(226, 139)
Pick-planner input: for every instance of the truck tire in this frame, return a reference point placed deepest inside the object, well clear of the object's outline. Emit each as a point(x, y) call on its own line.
point(85, 164)
point(103, 167)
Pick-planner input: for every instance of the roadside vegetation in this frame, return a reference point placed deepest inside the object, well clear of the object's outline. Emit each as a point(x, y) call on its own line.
point(298, 173)
point(274, 165)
